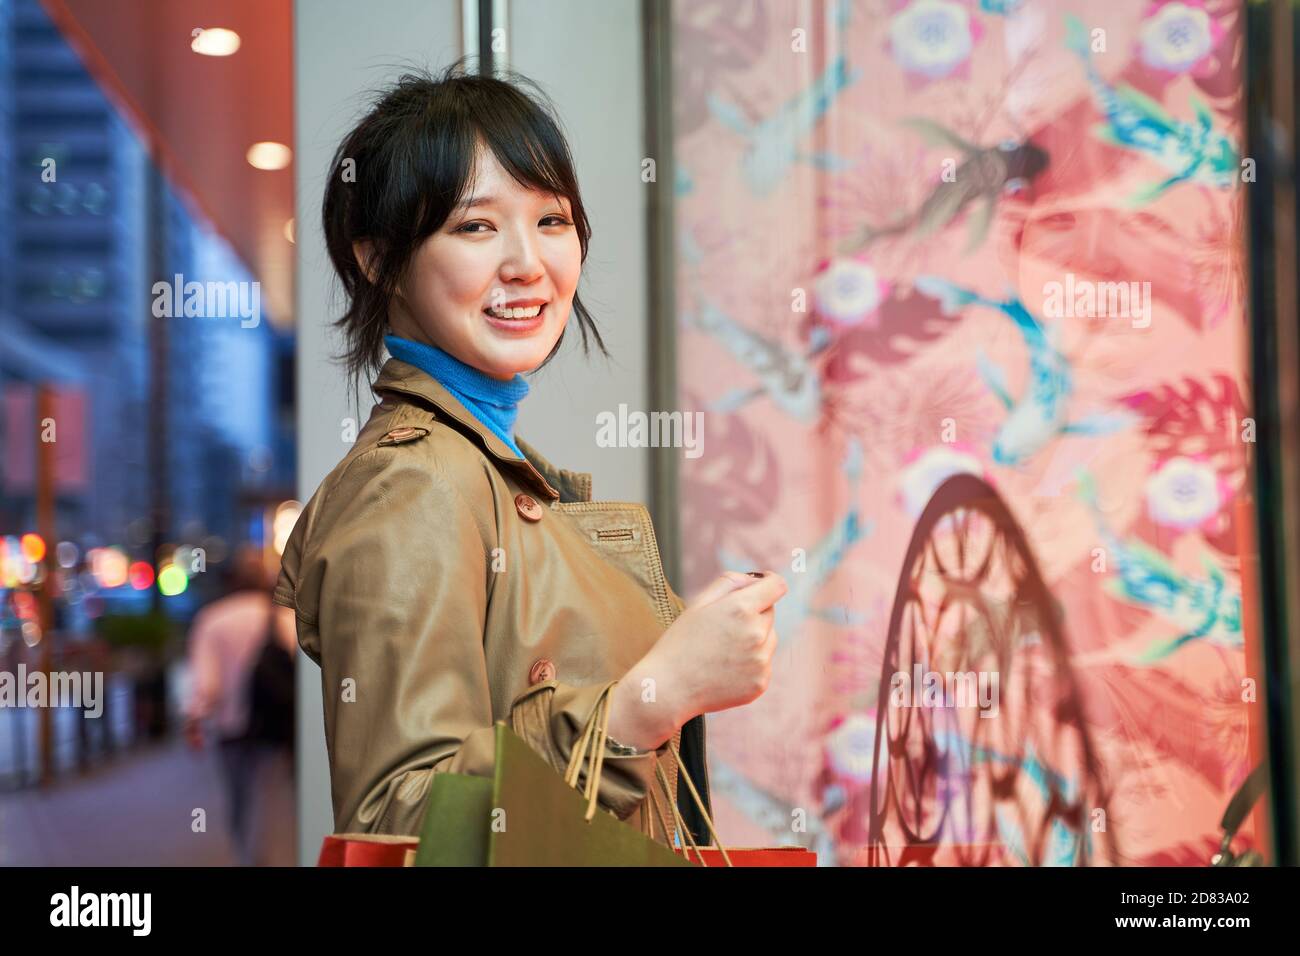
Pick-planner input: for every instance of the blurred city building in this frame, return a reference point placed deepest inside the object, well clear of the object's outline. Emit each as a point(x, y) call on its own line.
point(140, 448)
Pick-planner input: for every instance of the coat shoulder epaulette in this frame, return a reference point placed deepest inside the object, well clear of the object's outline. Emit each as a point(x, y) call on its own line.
point(407, 423)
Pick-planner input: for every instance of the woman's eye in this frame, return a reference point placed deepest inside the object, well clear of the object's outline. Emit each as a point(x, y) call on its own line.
point(558, 221)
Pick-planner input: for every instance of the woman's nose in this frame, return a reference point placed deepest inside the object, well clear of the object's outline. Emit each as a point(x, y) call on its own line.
point(523, 259)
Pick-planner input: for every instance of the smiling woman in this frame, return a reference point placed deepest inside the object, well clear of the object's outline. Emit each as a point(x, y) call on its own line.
point(445, 576)
point(460, 199)
point(509, 255)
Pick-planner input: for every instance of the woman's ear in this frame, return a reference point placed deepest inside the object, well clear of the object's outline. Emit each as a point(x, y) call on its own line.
point(364, 251)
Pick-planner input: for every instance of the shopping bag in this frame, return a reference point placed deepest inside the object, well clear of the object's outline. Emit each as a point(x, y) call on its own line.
point(752, 856)
point(528, 815)
point(455, 830)
point(541, 821)
point(367, 849)
point(534, 817)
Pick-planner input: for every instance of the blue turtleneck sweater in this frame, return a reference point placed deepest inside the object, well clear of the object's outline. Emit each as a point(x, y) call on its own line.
point(493, 402)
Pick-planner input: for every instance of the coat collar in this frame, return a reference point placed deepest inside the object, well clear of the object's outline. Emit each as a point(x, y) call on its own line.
point(555, 483)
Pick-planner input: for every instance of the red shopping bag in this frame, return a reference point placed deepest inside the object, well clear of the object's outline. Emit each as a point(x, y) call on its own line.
point(367, 849)
point(751, 856)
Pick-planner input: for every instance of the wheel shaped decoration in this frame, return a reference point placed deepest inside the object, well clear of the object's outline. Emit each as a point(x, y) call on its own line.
point(982, 755)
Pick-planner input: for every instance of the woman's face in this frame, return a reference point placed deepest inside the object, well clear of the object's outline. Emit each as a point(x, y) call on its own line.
point(515, 247)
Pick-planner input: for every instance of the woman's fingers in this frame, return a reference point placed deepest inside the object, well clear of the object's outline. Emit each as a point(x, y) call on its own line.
point(763, 592)
point(720, 586)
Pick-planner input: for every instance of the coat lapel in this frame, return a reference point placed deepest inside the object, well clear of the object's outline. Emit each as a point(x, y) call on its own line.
point(555, 483)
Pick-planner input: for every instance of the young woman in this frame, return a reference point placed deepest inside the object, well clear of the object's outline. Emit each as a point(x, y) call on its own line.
point(445, 575)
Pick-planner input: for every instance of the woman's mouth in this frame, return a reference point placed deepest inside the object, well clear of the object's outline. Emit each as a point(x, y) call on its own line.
point(519, 321)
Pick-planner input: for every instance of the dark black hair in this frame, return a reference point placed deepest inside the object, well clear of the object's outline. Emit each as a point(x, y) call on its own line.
point(412, 160)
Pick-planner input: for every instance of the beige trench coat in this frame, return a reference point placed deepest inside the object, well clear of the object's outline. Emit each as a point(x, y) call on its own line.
point(442, 583)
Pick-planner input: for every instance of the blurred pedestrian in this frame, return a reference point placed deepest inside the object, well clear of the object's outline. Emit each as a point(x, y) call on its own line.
point(241, 652)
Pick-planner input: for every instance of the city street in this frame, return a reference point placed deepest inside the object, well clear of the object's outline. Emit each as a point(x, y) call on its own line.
point(134, 807)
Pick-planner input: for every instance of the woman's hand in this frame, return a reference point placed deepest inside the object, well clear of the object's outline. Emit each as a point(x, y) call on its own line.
point(719, 651)
point(715, 656)
point(193, 733)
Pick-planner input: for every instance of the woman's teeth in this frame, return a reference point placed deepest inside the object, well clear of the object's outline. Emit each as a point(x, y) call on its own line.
point(528, 313)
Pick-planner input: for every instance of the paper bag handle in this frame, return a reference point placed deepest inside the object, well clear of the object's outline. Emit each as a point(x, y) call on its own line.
point(593, 737)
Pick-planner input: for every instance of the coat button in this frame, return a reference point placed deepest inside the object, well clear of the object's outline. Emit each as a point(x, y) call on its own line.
point(528, 507)
point(542, 671)
point(402, 434)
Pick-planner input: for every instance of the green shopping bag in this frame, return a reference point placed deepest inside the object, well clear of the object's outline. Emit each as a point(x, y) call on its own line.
point(448, 837)
point(529, 815)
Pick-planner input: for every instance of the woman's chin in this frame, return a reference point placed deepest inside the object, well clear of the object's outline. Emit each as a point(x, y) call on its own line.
point(505, 357)
point(507, 363)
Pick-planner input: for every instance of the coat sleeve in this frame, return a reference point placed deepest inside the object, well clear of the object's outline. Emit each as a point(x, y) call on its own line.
point(395, 591)
point(676, 601)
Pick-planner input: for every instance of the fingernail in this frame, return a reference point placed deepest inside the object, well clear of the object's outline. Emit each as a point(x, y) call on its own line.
point(756, 574)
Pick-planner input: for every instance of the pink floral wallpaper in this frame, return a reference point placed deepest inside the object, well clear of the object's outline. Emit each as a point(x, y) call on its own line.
point(988, 238)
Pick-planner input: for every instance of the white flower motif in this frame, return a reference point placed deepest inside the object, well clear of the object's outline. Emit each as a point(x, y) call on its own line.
point(920, 479)
point(850, 747)
point(1183, 493)
point(931, 37)
point(1176, 38)
point(848, 291)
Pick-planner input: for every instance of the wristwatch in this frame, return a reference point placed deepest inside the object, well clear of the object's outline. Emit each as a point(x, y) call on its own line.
point(623, 750)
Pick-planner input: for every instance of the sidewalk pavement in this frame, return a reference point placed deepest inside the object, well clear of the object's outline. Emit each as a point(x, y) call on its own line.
point(138, 809)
